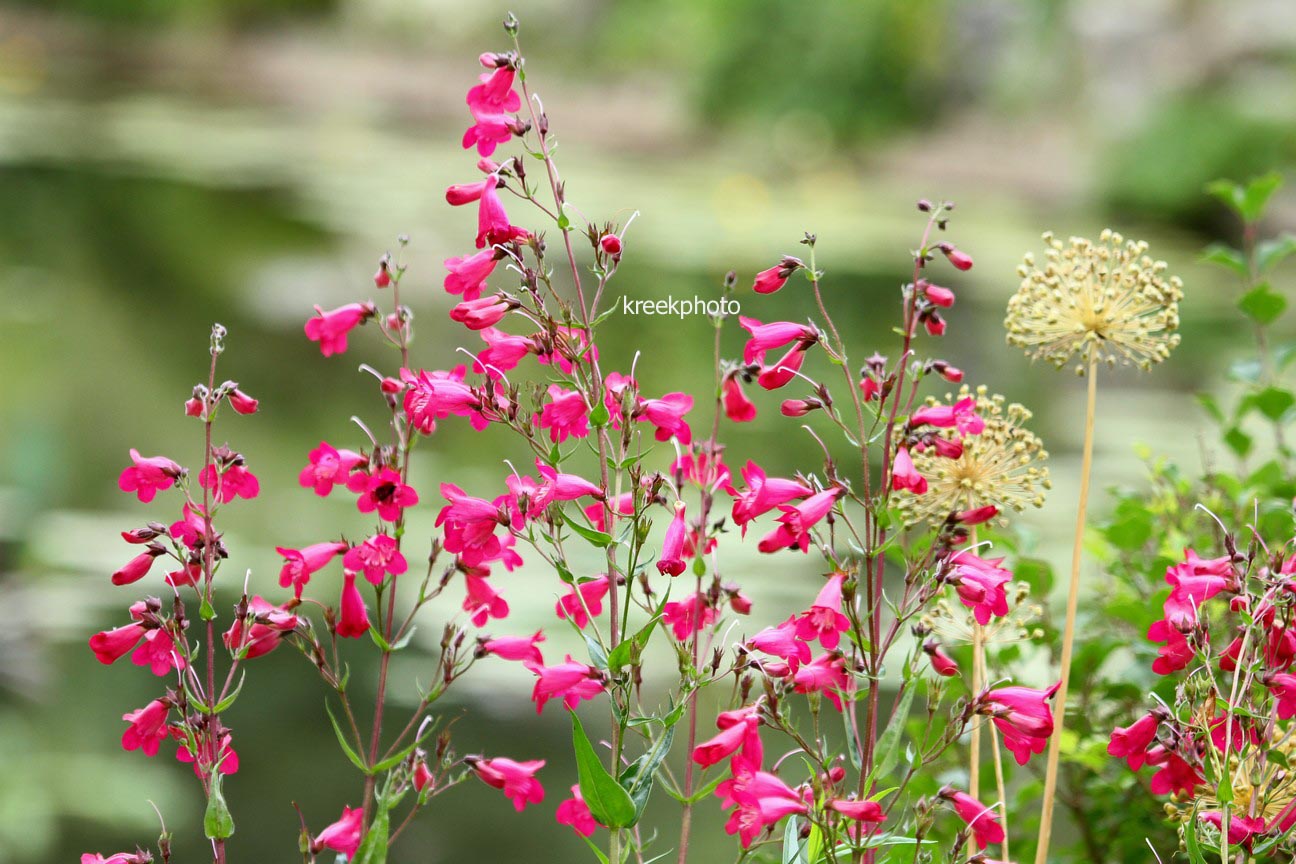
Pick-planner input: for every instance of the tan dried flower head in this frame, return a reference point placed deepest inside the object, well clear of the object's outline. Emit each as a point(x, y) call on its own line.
point(1106, 301)
point(954, 624)
point(1002, 466)
point(1256, 777)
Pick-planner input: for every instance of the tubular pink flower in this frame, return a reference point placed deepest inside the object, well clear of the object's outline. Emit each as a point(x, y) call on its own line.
point(206, 757)
point(495, 95)
point(299, 565)
point(576, 813)
point(564, 415)
point(136, 568)
point(328, 467)
point(981, 819)
point(344, 835)
point(375, 558)
point(503, 352)
point(516, 779)
point(782, 642)
point(111, 645)
point(860, 811)
point(482, 601)
point(158, 653)
point(1024, 717)
point(522, 648)
point(482, 312)
point(330, 328)
point(465, 193)
point(234, 482)
point(766, 337)
point(148, 475)
point(622, 504)
point(781, 372)
point(569, 681)
point(764, 494)
point(691, 615)
point(148, 728)
point(384, 492)
point(671, 560)
point(961, 416)
point(1175, 775)
point(1133, 742)
point(737, 407)
point(825, 674)
point(824, 620)
point(353, 617)
point(941, 662)
point(905, 476)
point(586, 596)
point(1176, 654)
point(667, 414)
point(467, 274)
point(493, 227)
point(268, 628)
point(980, 585)
point(242, 403)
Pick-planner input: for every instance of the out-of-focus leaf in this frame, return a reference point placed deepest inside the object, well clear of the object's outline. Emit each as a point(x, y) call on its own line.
point(1262, 304)
point(1226, 256)
point(1271, 253)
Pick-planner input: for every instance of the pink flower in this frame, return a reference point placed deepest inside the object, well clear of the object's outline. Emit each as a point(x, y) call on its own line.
point(568, 343)
point(860, 811)
point(961, 416)
point(563, 487)
point(982, 820)
point(611, 245)
point(148, 475)
point(495, 94)
point(376, 557)
point(688, 616)
point(158, 653)
point(384, 492)
point(1176, 775)
point(576, 813)
point(148, 727)
point(796, 521)
point(771, 280)
point(465, 193)
point(905, 476)
point(1283, 686)
point(353, 617)
point(941, 662)
point(980, 585)
point(737, 406)
point(582, 601)
point(467, 274)
point(667, 414)
point(824, 620)
point(765, 337)
point(234, 482)
point(470, 525)
point(781, 372)
point(328, 467)
point(242, 403)
point(564, 415)
point(1242, 828)
point(493, 225)
point(1133, 742)
point(671, 560)
point(1176, 654)
point(344, 835)
point(118, 858)
point(523, 648)
point(330, 328)
point(869, 388)
point(483, 602)
point(1193, 583)
point(490, 131)
point(825, 674)
point(503, 352)
point(482, 312)
point(937, 295)
point(422, 776)
point(782, 642)
point(764, 494)
point(517, 779)
point(762, 801)
point(111, 645)
point(431, 396)
point(299, 565)
point(958, 258)
point(136, 568)
point(733, 736)
point(569, 681)
point(1024, 717)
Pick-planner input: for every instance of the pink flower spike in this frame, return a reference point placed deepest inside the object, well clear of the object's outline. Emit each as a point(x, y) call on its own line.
point(516, 779)
point(353, 617)
point(148, 475)
point(330, 328)
point(375, 558)
point(344, 835)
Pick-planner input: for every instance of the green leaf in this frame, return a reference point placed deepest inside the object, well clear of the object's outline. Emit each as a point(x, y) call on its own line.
point(229, 700)
point(378, 640)
point(598, 538)
point(1191, 842)
point(888, 744)
point(346, 748)
point(1257, 193)
point(206, 612)
point(1226, 256)
point(1238, 441)
point(609, 803)
point(793, 847)
point(563, 222)
point(622, 655)
point(1212, 406)
point(598, 656)
point(1274, 402)
point(373, 849)
point(599, 417)
point(1262, 304)
point(1271, 253)
point(637, 778)
point(218, 823)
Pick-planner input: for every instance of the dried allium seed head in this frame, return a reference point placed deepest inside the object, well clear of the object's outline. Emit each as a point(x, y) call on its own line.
point(1003, 466)
point(1106, 301)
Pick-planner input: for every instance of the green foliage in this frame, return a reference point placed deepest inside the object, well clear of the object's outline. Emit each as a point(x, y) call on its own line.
point(608, 800)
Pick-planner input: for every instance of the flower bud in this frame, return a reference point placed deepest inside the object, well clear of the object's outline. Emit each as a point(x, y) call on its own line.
point(611, 244)
point(242, 402)
point(956, 256)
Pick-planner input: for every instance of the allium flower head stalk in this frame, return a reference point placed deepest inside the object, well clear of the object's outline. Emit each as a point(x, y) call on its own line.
point(1107, 301)
point(1001, 467)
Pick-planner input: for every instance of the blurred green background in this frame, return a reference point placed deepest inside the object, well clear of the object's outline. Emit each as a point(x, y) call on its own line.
point(168, 163)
